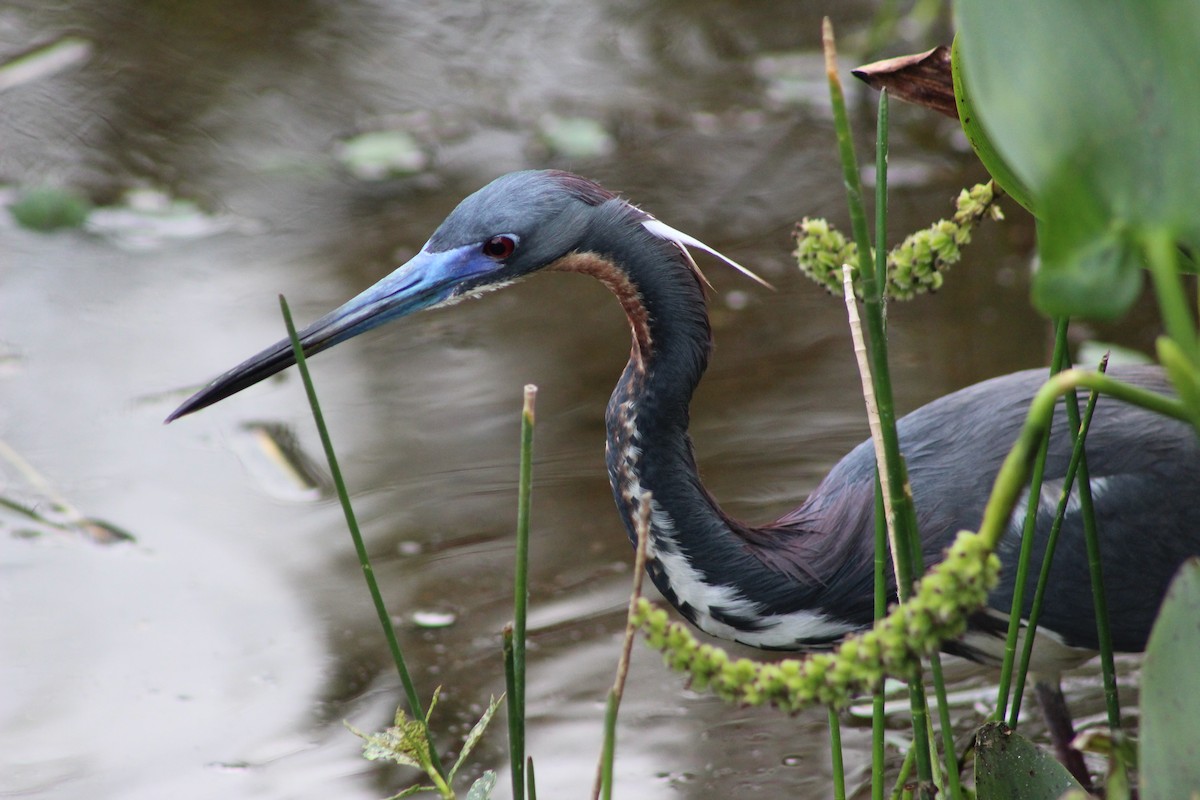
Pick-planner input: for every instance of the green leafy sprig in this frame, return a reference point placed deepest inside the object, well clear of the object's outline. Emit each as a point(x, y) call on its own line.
point(406, 743)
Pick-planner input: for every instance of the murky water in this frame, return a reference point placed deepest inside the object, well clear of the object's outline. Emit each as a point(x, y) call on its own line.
point(219, 653)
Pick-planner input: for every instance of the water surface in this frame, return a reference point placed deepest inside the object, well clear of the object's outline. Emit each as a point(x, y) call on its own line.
point(219, 652)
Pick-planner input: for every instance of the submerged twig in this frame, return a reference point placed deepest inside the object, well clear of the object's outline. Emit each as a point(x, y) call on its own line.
point(604, 772)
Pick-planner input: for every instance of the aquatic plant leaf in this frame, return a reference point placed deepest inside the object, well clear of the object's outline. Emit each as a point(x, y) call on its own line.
point(977, 135)
point(476, 733)
point(482, 788)
point(1093, 107)
point(1007, 765)
point(1169, 746)
point(1089, 266)
point(404, 743)
point(433, 701)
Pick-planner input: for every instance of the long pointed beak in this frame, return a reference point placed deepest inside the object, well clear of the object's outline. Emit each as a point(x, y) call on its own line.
point(429, 279)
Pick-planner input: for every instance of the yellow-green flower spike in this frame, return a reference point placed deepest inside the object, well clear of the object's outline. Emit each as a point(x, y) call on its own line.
point(914, 266)
point(938, 611)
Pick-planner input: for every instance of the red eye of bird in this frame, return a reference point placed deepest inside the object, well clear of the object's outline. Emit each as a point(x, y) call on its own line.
point(499, 247)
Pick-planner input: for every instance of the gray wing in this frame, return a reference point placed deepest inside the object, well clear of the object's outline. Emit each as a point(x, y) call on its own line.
point(1145, 478)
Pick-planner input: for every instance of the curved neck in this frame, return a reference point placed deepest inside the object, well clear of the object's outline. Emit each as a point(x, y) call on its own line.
point(750, 585)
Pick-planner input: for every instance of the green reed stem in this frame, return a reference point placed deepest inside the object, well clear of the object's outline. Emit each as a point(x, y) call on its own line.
point(835, 754)
point(1091, 537)
point(1179, 351)
point(1162, 257)
point(516, 731)
point(529, 773)
point(876, 325)
point(878, 721)
point(881, 201)
point(1057, 362)
point(1076, 466)
point(904, 542)
point(608, 753)
point(919, 708)
point(902, 778)
point(947, 729)
point(516, 691)
point(385, 620)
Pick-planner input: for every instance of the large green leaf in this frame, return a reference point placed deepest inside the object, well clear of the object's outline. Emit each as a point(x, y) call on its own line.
point(1010, 767)
point(1169, 758)
point(978, 136)
point(1094, 106)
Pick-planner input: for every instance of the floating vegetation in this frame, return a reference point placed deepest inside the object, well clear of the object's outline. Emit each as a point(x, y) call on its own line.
point(271, 453)
point(50, 208)
point(50, 510)
point(149, 218)
point(44, 61)
point(575, 137)
point(379, 155)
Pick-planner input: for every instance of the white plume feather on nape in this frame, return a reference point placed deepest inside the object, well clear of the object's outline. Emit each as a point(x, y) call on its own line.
point(665, 231)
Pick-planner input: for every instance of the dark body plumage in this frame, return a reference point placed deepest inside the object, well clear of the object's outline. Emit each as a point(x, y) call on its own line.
point(806, 579)
point(1145, 477)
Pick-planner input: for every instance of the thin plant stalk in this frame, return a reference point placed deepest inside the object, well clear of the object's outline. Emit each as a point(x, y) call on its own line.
point(920, 723)
point(604, 775)
point(835, 754)
point(515, 715)
point(1108, 668)
point(1025, 557)
point(516, 691)
point(877, 299)
point(1091, 538)
point(881, 202)
point(947, 729)
point(385, 620)
point(1076, 466)
point(897, 502)
point(1007, 666)
point(893, 481)
point(604, 771)
point(1162, 257)
point(920, 720)
point(878, 722)
point(906, 767)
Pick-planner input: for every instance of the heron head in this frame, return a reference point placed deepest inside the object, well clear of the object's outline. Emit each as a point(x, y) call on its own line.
point(509, 228)
point(515, 225)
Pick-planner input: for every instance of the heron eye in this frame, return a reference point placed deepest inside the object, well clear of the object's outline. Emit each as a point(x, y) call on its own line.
point(499, 247)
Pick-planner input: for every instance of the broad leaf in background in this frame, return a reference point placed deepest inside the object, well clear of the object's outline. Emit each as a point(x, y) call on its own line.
point(978, 136)
point(1094, 106)
point(1009, 766)
point(1169, 756)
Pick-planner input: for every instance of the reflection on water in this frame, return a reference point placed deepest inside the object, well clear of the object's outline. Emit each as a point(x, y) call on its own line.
point(220, 652)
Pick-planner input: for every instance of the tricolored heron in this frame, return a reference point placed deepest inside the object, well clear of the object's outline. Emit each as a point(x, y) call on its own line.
point(804, 580)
